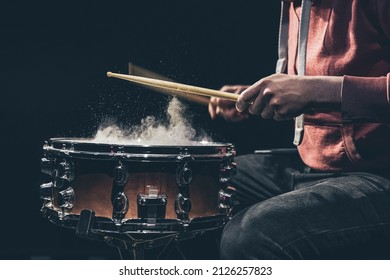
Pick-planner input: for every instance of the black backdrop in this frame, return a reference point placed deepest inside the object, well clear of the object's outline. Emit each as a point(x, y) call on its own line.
point(53, 60)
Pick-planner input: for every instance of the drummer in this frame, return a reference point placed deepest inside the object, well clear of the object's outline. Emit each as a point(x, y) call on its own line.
point(333, 200)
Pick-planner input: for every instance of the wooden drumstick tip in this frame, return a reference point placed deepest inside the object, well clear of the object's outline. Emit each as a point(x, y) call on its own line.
point(109, 74)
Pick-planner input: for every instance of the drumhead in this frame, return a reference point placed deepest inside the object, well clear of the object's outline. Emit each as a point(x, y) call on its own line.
point(85, 148)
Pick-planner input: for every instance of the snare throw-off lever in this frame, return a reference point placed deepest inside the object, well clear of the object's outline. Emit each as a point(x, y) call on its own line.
point(152, 205)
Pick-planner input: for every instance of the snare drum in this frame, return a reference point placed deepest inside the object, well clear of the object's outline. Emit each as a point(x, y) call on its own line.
point(122, 188)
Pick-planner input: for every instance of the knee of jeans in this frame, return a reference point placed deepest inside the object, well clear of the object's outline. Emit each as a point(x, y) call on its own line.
point(239, 237)
point(231, 241)
point(244, 237)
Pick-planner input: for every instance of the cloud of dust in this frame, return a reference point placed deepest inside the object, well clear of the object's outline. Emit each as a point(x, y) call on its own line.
point(177, 131)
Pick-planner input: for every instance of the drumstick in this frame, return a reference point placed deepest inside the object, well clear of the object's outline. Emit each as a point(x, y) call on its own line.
point(140, 71)
point(176, 87)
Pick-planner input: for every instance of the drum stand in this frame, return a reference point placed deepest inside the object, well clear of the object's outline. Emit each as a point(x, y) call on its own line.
point(134, 247)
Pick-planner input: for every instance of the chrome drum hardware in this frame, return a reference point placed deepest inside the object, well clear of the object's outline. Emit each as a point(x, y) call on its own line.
point(121, 193)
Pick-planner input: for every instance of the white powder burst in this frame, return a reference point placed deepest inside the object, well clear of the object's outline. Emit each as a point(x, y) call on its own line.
point(177, 131)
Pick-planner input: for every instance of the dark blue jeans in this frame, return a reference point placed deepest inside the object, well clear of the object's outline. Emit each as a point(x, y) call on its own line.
point(290, 212)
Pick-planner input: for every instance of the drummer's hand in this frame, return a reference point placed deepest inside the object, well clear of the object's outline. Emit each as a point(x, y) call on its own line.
point(226, 108)
point(283, 97)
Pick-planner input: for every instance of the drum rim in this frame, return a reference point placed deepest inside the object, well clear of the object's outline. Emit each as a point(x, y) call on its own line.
point(73, 148)
point(82, 141)
point(105, 225)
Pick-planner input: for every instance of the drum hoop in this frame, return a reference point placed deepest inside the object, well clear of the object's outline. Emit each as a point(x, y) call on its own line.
point(74, 148)
point(103, 225)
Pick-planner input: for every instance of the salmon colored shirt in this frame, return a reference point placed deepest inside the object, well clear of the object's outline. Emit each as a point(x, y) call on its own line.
point(349, 38)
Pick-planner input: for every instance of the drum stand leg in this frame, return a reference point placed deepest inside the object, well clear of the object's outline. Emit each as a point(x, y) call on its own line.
point(171, 247)
point(134, 249)
point(136, 252)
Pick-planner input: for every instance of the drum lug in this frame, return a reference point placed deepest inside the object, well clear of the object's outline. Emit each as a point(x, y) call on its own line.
point(183, 172)
point(120, 201)
point(47, 165)
point(46, 192)
point(63, 174)
point(120, 207)
point(226, 172)
point(121, 175)
point(183, 206)
point(66, 199)
point(231, 150)
point(227, 198)
point(183, 175)
point(183, 203)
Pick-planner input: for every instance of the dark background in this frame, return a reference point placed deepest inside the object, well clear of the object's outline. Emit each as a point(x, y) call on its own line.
point(53, 60)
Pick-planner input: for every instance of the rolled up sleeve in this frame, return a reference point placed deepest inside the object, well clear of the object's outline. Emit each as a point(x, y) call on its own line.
point(365, 99)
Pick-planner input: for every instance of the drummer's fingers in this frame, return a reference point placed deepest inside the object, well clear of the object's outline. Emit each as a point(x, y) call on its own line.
point(234, 116)
point(245, 99)
point(214, 100)
point(249, 95)
point(225, 103)
point(219, 111)
point(212, 108)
